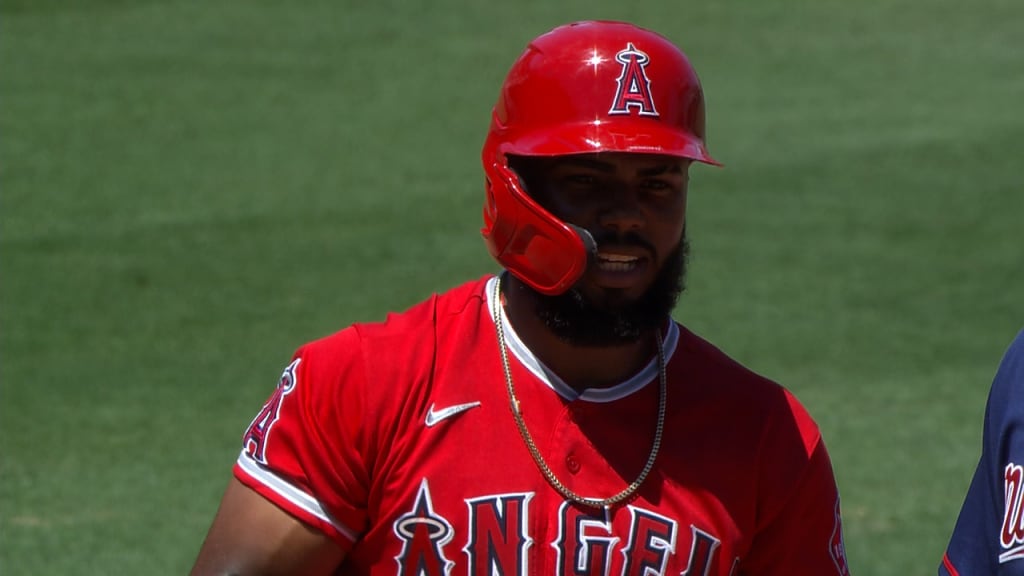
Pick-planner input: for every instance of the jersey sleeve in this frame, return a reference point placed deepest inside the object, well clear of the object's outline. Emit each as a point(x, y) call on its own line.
point(988, 537)
point(971, 549)
point(799, 528)
point(308, 450)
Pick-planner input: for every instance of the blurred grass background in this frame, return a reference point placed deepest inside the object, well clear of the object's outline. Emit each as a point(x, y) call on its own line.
point(189, 190)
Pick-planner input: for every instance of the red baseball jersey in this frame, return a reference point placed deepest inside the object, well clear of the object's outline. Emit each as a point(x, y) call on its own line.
point(397, 440)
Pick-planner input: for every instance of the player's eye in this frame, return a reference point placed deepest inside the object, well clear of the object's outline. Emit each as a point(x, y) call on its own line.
point(658, 188)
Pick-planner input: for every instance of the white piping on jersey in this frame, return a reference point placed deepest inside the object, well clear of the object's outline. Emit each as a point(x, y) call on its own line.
point(289, 492)
point(638, 381)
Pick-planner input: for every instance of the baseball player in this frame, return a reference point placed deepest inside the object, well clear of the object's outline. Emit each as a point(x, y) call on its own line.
point(553, 418)
point(989, 534)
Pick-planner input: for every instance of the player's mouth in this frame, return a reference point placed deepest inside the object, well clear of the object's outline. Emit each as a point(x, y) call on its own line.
point(617, 262)
point(620, 268)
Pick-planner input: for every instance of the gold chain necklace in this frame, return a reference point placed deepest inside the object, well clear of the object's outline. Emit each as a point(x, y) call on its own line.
point(605, 503)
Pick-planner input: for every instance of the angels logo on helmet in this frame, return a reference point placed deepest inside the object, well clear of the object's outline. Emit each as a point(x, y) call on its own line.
point(634, 86)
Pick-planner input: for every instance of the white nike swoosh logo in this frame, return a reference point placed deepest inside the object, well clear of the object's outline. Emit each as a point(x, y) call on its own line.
point(436, 416)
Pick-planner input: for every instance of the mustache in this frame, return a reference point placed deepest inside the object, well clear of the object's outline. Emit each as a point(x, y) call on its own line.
point(609, 238)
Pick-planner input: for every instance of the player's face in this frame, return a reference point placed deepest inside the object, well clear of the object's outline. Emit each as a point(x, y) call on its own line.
point(634, 205)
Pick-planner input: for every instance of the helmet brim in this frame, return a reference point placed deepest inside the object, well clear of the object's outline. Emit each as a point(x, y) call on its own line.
point(629, 135)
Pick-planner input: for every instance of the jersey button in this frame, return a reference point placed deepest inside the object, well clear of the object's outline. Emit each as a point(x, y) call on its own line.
point(572, 464)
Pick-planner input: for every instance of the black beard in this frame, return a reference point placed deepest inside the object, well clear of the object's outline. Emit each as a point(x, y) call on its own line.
point(578, 321)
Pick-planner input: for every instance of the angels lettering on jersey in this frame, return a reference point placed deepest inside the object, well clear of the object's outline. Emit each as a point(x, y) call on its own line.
point(498, 542)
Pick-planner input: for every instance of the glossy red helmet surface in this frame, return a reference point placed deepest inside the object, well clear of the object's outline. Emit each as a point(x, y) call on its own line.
point(581, 88)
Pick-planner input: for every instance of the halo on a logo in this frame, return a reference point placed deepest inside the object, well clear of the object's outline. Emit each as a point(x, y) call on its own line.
point(633, 86)
point(436, 529)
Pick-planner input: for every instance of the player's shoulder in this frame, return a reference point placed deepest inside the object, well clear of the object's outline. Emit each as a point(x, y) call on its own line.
point(400, 336)
point(715, 364)
point(1012, 365)
point(412, 323)
point(1007, 394)
point(753, 397)
point(437, 307)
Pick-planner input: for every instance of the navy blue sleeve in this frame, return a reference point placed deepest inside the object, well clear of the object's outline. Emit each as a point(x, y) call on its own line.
point(989, 534)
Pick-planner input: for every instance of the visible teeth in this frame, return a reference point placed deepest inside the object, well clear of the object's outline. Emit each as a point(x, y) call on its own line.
point(617, 258)
point(616, 266)
point(616, 262)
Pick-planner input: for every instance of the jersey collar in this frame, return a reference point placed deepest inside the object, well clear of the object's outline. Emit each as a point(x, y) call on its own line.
point(647, 375)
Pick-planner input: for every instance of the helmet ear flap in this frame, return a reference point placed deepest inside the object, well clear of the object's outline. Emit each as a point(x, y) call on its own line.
point(542, 251)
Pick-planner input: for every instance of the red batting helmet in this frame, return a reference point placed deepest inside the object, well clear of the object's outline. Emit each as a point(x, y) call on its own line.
point(581, 88)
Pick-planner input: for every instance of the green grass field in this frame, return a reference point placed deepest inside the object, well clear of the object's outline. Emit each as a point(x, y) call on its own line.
point(189, 190)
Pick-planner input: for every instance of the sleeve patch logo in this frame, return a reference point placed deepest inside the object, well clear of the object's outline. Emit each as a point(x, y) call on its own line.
point(255, 439)
point(1011, 537)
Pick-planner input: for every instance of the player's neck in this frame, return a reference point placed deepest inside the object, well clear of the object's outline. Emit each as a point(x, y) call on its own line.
point(580, 367)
